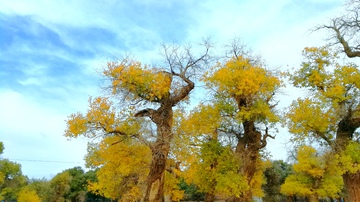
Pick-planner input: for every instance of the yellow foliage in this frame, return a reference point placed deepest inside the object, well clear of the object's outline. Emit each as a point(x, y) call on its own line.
point(101, 117)
point(314, 175)
point(139, 80)
point(216, 171)
point(309, 162)
point(296, 185)
point(350, 158)
point(307, 117)
point(258, 179)
point(2, 177)
point(124, 165)
point(253, 85)
point(333, 86)
point(28, 195)
point(171, 186)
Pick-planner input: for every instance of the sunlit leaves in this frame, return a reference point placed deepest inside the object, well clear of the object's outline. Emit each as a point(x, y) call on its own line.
point(28, 195)
point(349, 159)
point(313, 73)
point(315, 175)
point(307, 117)
point(101, 118)
point(139, 80)
point(335, 95)
point(216, 172)
point(250, 85)
point(172, 186)
point(124, 165)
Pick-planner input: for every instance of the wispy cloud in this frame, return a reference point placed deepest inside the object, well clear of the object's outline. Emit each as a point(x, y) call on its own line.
point(52, 51)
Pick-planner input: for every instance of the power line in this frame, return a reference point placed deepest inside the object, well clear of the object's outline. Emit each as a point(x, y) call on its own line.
point(44, 161)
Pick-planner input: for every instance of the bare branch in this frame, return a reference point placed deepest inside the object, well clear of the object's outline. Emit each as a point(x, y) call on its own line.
point(264, 138)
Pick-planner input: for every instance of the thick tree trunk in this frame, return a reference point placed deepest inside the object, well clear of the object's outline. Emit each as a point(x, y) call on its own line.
point(209, 197)
point(160, 150)
point(352, 186)
point(247, 149)
point(155, 181)
point(345, 132)
point(313, 198)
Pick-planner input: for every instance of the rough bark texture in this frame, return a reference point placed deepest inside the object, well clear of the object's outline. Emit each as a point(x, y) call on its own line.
point(163, 118)
point(313, 198)
point(346, 129)
point(209, 197)
point(248, 148)
point(352, 186)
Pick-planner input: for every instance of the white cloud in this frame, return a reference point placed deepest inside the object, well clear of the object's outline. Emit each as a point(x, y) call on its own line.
point(32, 124)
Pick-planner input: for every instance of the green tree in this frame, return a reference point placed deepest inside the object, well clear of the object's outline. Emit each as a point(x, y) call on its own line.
point(78, 184)
point(11, 178)
point(1, 147)
point(2, 175)
point(42, 188)
point(275, 176)
point(60, 187)
point(135, 85)
point(330, 114)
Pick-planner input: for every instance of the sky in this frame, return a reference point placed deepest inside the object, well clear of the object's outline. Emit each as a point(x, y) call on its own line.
point(51, 54)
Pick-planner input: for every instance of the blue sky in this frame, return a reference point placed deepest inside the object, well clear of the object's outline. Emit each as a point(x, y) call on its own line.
point(52, 51)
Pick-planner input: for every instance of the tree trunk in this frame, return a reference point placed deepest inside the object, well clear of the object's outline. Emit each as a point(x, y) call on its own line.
point(209, 197)
point(247, 149)
point(352, 186)
point(344, 134)
point(313, 198)
point(160, 150)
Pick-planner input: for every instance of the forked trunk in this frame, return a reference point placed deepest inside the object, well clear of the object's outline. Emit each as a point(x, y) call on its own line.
point(352, 186)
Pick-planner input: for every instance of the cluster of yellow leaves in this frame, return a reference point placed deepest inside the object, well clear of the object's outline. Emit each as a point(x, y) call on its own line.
point(349, 159)
point(314, 175)
point(203, 120)
point(141, 81)
point(191, 129)
point(336, 91)
point(100, 117)
point(217, 171)
point(124, 165)
point(307, 117)
point(28, 195)
point(322, 73)
point(171, 186)
point(258, 179)
point(239, 79)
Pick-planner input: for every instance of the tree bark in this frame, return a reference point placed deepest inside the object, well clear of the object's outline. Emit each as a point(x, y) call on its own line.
point(313, 198)
point(163, 118)
point(352, 186)
point(247, 149)
point(346, 129)
point(209, 197)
